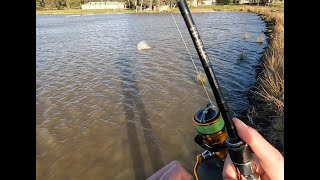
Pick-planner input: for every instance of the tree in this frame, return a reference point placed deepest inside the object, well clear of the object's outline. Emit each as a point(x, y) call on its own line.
point(49, 3)
point(74, 3)
point(60, 4)
point(68, 4)
point(150, 4)
point(141, 5)
point(158, 5)
point(39, 4)
point(135, 4)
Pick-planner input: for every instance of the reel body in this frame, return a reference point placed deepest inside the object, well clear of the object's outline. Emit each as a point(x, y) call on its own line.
point(211, 131)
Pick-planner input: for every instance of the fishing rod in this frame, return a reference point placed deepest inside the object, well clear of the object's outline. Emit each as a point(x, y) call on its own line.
point(209, 121)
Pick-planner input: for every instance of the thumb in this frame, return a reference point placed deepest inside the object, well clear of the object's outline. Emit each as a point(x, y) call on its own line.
point(229, 171)
point(270, 158)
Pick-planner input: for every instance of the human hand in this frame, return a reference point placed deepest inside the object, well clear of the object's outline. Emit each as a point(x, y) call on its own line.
point(172, 171)
point(269, 161)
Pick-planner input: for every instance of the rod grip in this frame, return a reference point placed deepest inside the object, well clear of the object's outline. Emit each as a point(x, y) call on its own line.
point(242, 158)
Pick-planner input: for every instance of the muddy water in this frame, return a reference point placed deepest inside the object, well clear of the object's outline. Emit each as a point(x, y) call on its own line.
point(105, 110)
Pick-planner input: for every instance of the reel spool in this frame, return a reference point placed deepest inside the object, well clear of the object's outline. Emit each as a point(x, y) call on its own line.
point(211, 131)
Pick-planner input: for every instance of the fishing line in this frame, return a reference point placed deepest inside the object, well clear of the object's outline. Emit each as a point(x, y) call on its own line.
point(194, 65)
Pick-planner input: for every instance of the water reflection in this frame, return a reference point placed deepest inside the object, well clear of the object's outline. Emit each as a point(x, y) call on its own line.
point(133, 103)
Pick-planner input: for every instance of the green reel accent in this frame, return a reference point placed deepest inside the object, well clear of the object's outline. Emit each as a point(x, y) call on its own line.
point(212, 128)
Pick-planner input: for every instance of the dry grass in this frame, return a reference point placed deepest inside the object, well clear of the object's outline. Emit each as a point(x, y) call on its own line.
point(271, 79)
point(201, 78)
point(260, 39)
point(270, 84)
point(246, 36)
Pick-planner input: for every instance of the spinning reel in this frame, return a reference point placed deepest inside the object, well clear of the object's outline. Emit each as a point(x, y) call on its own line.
point(211, 132)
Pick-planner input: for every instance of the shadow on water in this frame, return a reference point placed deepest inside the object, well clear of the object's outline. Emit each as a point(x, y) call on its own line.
point(135, 110)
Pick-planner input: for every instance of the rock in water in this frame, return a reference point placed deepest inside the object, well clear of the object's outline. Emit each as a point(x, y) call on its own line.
point(143, 45)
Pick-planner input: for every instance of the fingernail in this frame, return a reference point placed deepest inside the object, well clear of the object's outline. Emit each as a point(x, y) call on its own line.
point(240, 123)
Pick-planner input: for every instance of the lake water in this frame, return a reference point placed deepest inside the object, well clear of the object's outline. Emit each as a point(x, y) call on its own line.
point(105, 110)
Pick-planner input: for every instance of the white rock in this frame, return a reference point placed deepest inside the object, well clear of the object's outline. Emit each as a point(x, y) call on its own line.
point(143, 45)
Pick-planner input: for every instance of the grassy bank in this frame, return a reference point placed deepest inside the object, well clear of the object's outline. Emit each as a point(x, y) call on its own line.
point(268, 99)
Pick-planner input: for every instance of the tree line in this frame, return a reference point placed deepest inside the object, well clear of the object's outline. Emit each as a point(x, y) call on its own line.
point(76, 4)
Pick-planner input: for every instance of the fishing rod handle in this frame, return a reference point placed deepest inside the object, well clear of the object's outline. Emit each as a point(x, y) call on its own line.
point(242, 158)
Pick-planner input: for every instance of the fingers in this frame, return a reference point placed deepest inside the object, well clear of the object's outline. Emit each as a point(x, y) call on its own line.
point(172, 171)
point(259, 170)
point(229, 171)
point(176, 172)
point(270, 158)
point(160, 172)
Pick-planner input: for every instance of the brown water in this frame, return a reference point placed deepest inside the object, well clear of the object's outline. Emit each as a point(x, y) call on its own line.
point(104, 110)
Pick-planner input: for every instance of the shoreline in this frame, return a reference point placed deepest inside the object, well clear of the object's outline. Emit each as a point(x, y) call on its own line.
point(266, 117)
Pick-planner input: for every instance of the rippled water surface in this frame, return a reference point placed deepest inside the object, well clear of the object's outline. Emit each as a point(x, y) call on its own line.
point(105, 110)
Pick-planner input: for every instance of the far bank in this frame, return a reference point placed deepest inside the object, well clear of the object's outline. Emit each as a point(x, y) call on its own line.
point(214, 8)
